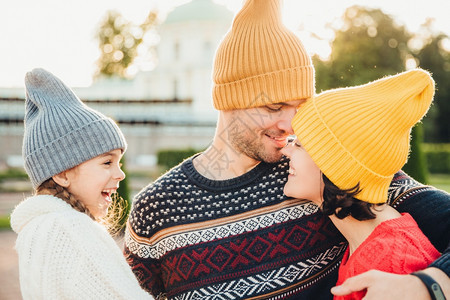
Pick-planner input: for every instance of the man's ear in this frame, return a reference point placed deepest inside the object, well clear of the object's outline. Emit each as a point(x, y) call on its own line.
point(62, 179)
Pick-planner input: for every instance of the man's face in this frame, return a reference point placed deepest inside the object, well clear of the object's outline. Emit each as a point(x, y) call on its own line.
point(260, 133)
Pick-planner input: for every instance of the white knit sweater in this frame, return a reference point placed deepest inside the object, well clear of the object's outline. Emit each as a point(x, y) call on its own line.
point(63, 254)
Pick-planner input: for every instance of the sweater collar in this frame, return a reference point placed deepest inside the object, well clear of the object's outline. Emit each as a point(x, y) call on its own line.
point(35, 206)
point(228, 184)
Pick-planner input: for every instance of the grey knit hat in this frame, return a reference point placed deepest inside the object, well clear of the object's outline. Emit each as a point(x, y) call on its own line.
point(61, 132)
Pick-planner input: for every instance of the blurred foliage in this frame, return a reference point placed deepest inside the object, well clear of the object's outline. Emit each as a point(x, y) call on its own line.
point(416, 166)
point(124, 194)
point(370, 45)
point(435, 58)
point(438, 158)
point(171, 157)
point(5, 222)
point(13, 173)
point(118, 41)
point(124, 187)
point(440, 181)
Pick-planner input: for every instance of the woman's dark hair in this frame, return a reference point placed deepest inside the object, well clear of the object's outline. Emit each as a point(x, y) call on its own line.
point(343, 203)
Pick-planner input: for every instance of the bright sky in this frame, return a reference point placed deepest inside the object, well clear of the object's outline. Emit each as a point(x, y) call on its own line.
point(60, 35)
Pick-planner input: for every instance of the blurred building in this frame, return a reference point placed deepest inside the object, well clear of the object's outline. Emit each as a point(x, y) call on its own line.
point(180, 84)
point(189, 38)
point(169, 106)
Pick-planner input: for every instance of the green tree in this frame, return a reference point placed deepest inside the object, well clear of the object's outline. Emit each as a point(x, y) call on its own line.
point(416, 166)
point(124, 188)
point(124, 192)
point(435, 58)
point(118, 42)
point(368, 46)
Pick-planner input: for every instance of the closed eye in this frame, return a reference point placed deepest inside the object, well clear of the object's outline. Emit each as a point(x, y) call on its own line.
point(293, 140)
point(274, 108)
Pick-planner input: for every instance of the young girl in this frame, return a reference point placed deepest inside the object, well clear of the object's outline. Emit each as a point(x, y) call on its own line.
point(350, 144)
point(72, 156)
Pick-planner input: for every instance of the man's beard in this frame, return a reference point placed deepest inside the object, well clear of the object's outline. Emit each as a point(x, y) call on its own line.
point(252, 146)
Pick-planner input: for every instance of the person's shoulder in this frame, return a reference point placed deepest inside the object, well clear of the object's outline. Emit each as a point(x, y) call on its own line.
point(151, 201)
point(70, 222)
point(166, 181)
point(404, 187)
point(276, 172)
point(83, 234)
point(62, 227)
point(75, 225)
point(41, 211)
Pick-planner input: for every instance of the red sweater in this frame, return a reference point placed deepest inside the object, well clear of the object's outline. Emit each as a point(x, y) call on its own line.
point(395, 246)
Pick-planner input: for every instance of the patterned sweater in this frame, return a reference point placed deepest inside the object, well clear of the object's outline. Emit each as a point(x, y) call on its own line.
point(395, 246)
point(189, 237)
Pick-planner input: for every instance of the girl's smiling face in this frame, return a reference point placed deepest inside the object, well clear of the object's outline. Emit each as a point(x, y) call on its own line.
point(93, 181)
point(305, 178)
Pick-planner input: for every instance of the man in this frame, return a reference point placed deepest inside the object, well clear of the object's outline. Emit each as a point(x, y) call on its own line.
point(218, 225)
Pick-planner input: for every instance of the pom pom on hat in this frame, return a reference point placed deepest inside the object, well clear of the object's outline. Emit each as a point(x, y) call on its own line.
point(61, 132)
point(361, 134)
point(260, 62)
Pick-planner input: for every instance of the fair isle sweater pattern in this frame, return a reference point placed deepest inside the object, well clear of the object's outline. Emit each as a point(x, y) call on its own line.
point(232, 254)
point(403, 187)
point(193, 238)
point(209, 232)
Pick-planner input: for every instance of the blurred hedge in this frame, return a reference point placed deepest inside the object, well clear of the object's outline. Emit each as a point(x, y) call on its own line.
point(438, 158)
point(13, 173)
point(5, 222)
point(172, 157)
point(417, 167)
point(124, 194)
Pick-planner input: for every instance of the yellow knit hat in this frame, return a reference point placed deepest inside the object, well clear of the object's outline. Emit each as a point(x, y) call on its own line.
point(260, 62)
point(361, 134)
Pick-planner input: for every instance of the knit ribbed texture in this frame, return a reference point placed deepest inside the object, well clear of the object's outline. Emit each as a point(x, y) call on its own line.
point(260, 62)
point(63, 254)
point(361, 134)
point(61, 132)
point(193, 238)
point(395, 246)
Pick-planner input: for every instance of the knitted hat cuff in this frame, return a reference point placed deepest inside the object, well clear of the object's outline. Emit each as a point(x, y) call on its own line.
point(278, 86)
point(336, 162)
point(72, 149)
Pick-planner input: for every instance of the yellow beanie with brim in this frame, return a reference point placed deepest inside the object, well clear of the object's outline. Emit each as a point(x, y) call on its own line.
point(362, 134)
point(260, 62)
